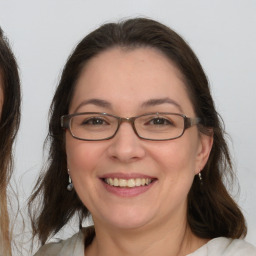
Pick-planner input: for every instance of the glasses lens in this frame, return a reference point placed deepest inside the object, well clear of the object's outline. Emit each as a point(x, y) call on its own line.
point(93, 126)
point(159, 126)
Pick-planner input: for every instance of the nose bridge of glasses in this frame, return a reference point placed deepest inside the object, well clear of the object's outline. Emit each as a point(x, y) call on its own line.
point(127, 120)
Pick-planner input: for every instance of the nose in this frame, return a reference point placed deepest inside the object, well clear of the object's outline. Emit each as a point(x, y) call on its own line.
point(126, 146)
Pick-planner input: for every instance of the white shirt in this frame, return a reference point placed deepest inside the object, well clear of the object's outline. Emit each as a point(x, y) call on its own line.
point(220, 246)
point(225, 247)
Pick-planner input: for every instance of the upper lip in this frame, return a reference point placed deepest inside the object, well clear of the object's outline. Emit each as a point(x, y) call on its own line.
point(126, 176)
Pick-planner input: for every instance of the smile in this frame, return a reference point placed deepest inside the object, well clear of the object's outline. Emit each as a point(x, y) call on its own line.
point(130, 183)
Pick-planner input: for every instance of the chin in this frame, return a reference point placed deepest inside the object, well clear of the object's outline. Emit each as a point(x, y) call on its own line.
point(126, 219)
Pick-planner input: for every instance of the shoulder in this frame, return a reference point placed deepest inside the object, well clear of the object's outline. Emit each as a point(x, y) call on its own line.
point(226, 247)
point(234, 247)
point(72, 246)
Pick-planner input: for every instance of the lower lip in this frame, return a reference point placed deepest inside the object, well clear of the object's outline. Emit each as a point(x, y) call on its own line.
point(128, 192)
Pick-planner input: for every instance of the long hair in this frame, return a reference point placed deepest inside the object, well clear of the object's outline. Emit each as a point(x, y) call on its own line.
point(9, 124)
point(211, 210)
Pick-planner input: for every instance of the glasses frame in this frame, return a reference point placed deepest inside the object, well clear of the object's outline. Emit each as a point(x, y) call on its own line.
point(188, 122)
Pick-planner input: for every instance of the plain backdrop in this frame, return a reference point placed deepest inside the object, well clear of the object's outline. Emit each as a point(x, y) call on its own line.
point(221, 32)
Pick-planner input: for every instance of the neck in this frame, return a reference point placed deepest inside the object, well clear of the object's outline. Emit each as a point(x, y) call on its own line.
point(164, 240)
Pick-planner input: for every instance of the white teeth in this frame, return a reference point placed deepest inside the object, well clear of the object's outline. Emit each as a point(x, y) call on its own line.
point(138, 182)
point(131, 183)
point(116, 182)
point(111, 182)
point(122, 183)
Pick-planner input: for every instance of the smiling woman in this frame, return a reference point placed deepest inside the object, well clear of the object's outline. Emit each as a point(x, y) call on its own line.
point(137, 143)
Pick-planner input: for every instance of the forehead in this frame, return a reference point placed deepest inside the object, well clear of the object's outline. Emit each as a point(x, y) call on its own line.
point(130, 76)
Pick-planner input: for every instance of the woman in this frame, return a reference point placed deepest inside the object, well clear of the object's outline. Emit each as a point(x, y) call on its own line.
point(9, 123)
point(136, 142)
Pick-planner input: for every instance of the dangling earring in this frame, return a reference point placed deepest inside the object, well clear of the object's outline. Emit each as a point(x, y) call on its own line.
point(70, 186)
point(200, 178)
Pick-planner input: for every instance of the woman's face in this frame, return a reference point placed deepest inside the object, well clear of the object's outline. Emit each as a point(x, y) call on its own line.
point(130, 83)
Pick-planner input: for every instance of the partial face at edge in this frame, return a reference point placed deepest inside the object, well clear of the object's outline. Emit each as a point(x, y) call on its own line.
point(1, 92)
point(126, 80)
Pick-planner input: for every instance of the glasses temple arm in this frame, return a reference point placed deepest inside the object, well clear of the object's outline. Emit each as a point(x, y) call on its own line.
point(192, 121)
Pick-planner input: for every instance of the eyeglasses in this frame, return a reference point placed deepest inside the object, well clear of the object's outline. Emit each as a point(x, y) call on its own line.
point(94, 126)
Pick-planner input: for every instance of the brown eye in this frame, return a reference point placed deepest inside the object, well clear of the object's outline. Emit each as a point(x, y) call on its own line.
point(94, 121)
point(159, 121)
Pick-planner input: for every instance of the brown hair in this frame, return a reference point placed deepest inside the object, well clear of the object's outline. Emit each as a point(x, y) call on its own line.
point(211, 210)
point(9, 124)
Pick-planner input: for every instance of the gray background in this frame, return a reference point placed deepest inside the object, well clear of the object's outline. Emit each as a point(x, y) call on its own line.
point(221, 32)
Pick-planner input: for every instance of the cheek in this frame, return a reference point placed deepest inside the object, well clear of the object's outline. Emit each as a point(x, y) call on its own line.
point(82, 161)
point(177, 162)
point(82, 156)
point(177, 158)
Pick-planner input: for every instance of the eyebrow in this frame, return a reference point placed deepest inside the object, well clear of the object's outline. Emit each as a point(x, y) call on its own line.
point(96, 102)
point(148, 103)
point(155, 102)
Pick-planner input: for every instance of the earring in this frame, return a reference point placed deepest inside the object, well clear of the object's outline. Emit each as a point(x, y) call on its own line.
point(200, 178)
point(70, 186)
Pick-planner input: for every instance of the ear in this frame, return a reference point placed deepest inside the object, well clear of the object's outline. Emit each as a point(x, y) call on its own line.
point(204, 150)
